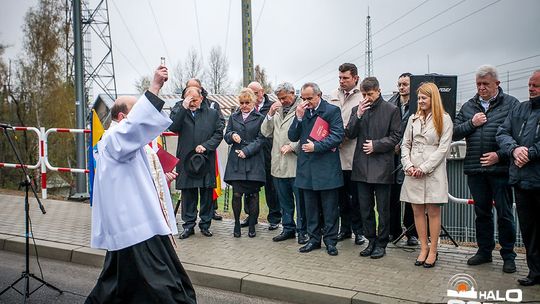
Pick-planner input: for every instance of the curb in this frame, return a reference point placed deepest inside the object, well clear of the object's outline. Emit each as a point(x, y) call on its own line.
point(224, 279)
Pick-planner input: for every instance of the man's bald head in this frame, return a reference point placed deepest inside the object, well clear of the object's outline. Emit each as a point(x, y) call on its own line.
point(257, 88)
point(121, 107)
point(194, 82)
point(193, 94)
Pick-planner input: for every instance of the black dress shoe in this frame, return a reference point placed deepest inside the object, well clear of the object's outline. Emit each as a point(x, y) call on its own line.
point(331, 250)
point(509, 266)
point(419, 263)
point(284, 236)
point(186, 233)
point(526, 281)
point(359, 239)
point(431, 265)
point(343, 236)
point(412, 241)
point(217, 217)
point(302, 239)
point(479, 259)
point(368, 250)
point(309, 247)
point(378, 253)
point(273, 227)
point(206, 232)
point(252, 234)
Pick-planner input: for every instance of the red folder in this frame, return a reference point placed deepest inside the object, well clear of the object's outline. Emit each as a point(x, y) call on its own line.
point(320, 129)
point(167, 160)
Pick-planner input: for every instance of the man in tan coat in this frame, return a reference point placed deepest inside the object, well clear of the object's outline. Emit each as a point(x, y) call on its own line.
point(346, 97)
point(283, 162)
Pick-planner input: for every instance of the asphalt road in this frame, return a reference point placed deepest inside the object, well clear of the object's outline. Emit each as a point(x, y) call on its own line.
point(77, 280)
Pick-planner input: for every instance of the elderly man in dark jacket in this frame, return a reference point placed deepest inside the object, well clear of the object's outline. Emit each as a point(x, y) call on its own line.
point(519, 139)
point(486, 166)
point(318, 169)
point(375, 124)
point(201, 131)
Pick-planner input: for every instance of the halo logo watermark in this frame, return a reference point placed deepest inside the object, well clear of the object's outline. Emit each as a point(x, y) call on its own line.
point(462, 289)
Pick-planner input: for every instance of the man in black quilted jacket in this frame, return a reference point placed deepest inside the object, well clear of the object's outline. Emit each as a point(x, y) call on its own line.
point(486, 166)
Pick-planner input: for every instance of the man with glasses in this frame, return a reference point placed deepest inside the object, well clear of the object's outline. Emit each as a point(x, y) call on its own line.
point(318, 170)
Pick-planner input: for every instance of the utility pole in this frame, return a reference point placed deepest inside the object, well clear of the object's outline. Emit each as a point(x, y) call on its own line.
point(428, 63)
point(247, 42)
point(80, 100)
point(369, 48)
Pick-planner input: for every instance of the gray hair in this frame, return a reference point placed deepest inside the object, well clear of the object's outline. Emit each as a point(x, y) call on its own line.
point(487, 70)
point(314, 86)
point(286, 87)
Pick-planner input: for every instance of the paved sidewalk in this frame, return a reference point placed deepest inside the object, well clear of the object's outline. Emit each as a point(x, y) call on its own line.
point(261, 267)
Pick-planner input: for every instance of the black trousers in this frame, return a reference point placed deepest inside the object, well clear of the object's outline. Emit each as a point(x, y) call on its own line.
point(485, 189)
point(322, 212)
point(147, 272)
point(395, 214)
point(349, 207)
point(528, 209)
point(367, 193)
point(190, 198)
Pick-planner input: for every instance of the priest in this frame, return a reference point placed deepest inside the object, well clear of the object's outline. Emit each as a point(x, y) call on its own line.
point(132, 215)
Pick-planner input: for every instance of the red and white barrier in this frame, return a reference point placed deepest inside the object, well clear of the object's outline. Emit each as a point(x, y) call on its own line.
point(35, 130)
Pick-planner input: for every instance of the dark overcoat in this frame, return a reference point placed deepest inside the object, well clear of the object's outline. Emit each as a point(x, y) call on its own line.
point(381, 124)
point(206, 129)
point(252, 167)
point(321, 169)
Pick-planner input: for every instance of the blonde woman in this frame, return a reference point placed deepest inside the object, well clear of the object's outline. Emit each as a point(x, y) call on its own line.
point(425, 144)
point(245, 165)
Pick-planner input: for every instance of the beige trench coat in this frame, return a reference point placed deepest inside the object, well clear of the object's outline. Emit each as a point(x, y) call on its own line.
point(282, 166)
point(422, 148)
point(346, 149)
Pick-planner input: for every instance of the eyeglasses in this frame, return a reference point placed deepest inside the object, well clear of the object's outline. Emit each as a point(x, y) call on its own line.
point(308, 98)
point(244, 102)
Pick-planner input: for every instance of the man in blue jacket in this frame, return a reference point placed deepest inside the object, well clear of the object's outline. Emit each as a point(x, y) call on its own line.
point(486, 166)
point(318, 170)
point(519, 139)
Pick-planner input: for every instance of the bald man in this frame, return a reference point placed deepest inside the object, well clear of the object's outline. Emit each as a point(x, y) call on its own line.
point(201, 132)
point(132, 214)
point(262, 105)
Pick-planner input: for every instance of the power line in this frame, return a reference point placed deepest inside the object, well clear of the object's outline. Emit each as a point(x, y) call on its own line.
point(228, 24)
point(503, 64)
point(159, 30)
point(259, 18)
point(131, 36)
point(198, 31)
point(126, 58)
point(359, 43)
point(439, 29)
point(420, 24)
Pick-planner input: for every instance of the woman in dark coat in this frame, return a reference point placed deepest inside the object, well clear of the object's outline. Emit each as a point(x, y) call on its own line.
point(245, 164)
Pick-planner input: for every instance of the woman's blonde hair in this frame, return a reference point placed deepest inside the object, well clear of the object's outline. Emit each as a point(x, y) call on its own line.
point(437, 109)
point(247, 93)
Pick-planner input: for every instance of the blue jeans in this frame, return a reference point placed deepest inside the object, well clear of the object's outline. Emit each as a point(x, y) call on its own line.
point(486, 189)
point(287, 192)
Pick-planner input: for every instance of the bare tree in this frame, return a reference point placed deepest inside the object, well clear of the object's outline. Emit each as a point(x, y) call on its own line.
point(178, 78)
point(262, 78)
point(217, 73)
point(142, 84)
point(193, 66)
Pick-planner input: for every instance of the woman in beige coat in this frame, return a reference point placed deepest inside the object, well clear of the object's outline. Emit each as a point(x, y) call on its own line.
point(425, 144)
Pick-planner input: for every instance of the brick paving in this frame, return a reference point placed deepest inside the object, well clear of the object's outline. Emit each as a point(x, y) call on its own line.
point(393, 276)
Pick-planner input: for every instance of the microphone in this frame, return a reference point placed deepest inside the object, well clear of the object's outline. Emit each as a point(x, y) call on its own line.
point(5, 126)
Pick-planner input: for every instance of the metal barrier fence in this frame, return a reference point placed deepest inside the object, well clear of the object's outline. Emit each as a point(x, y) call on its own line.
point(459, 218)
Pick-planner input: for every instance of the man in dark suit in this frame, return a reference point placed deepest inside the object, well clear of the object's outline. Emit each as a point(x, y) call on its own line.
point(212, 104)
point(262, 105)
point(318, 170)
point(201, 131)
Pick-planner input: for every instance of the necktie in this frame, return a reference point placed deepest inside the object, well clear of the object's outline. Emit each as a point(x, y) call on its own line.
point(347, 95)
point(193, 113)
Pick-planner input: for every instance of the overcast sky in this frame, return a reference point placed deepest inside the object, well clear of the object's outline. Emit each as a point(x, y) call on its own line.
point(306, 40)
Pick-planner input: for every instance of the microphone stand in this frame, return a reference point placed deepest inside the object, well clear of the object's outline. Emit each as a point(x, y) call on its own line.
point(26, 275)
